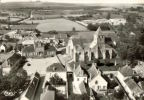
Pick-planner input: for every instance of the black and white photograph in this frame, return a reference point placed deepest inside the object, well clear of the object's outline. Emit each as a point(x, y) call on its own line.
point(71, 49)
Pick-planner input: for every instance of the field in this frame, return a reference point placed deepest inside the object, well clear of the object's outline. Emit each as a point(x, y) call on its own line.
point(59, 25)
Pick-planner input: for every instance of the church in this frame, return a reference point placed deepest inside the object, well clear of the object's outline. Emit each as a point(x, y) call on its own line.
point(101, 47)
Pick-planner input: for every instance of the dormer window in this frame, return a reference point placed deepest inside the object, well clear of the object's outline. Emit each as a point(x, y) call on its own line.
point(96, 82)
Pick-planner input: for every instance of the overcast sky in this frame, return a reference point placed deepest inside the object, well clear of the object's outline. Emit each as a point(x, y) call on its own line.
point(82, 1)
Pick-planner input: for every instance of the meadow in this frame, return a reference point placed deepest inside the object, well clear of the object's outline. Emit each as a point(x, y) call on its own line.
point(59, 24)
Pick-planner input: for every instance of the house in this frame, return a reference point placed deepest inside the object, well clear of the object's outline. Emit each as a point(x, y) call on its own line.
point(14, 35)
point(29, 93)
point(56, 75)
point(139, 69)
point(98, 21)
point(76, 70)
point(39, 48)
point(50, 50)
point(79, 75)
point(82, 88)
point(48, 95)
point(13, 59)
point(117, 21)
point(10, 62)
point(96, 81)
point(28, 51)
point(134, 88)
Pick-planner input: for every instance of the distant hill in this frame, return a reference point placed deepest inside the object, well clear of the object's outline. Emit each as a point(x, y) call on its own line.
point(35, 4)
point(10, 5)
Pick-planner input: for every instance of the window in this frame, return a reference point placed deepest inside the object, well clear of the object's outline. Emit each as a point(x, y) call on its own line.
point(98, 87)
point(84, 79)
point(77, 79)
point(96, 82)
point(104, 87)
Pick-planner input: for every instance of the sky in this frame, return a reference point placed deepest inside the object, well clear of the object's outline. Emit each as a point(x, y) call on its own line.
point(81, 1)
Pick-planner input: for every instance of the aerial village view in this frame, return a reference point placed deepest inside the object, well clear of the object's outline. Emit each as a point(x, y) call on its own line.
point(71, 51)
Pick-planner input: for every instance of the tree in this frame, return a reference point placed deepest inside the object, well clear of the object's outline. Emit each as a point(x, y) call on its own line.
point(73, 29)
point(108, 15)
point(119, 94)
point(53, 32)
point(92, 27)
point(141, 39)
point(56, 80)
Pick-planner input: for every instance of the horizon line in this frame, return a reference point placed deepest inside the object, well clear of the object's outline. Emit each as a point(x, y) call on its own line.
point(73, 2)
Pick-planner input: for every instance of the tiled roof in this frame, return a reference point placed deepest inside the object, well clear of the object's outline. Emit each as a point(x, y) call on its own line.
point(14, 58)
point(28, 49)
point(56, 67)
point(27, 42)
point(141, 84)
point(81, 44)
point(79, 71)
point(126, 71)
point(133, 86)
point(93, 71)
point(76, 64)
point(139, 69)
point(82, 88)
point(89, 34)
point(33, 87)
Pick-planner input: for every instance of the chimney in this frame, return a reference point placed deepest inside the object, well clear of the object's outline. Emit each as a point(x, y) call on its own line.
point(90, 76)
point(74, 67)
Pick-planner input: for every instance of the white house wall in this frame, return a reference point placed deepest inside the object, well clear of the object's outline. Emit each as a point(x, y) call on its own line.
point(101, 83)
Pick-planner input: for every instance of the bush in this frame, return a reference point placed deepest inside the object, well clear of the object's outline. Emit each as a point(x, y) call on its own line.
point(119, 94)
point(56, 80)
point(104, 26)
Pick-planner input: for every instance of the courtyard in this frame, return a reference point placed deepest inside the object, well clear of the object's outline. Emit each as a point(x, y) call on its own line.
point(39, 65)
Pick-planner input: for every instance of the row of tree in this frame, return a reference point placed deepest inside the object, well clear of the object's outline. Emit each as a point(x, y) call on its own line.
point(16, 81)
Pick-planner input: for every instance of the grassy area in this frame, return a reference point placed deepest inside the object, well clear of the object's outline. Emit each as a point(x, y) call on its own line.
point(59, 25)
